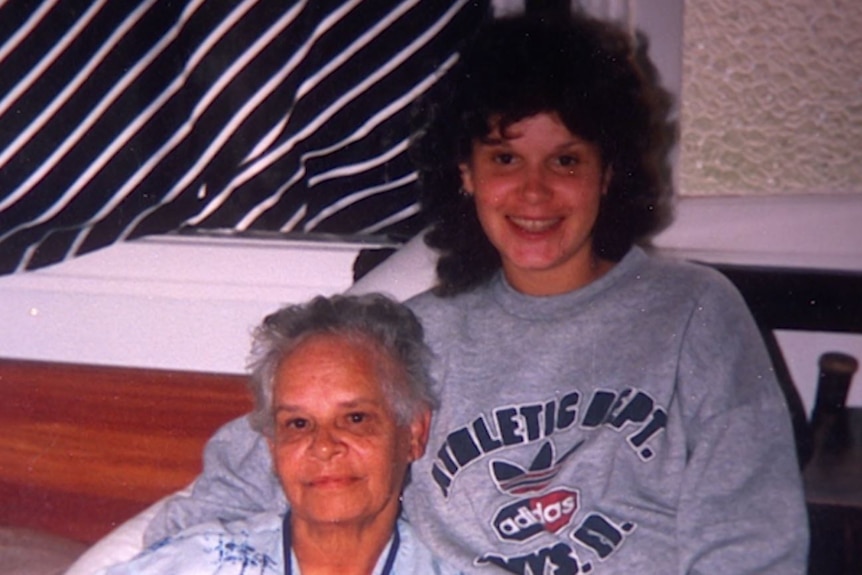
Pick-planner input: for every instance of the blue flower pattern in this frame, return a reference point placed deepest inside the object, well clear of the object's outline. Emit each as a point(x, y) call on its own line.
point(242, 555)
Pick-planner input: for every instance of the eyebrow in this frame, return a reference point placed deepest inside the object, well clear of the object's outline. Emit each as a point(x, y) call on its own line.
point(354, 403)
point(492, 141)
point(574, 143)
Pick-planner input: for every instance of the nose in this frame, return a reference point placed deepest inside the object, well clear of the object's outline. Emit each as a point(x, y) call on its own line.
point(534, 187)
point(326, 444)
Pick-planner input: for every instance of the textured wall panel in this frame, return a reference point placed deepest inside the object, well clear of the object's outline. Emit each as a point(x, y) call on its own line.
point(772, 97)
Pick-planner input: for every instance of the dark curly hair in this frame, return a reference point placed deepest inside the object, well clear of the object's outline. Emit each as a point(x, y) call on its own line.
point(599, 82)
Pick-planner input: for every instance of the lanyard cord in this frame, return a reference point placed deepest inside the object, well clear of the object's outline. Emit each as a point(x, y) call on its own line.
point(286, 540)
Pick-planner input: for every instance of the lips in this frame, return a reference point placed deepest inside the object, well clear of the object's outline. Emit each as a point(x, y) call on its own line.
point(332, 482)
point(534, 225)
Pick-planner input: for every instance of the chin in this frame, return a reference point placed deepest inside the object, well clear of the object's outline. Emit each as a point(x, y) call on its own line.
point(334, 516)
point(535, 263)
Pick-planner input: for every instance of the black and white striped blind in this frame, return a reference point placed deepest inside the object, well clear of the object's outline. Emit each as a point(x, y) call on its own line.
point(120, 118)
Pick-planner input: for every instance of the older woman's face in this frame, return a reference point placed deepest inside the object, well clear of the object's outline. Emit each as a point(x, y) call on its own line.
point(338, 450)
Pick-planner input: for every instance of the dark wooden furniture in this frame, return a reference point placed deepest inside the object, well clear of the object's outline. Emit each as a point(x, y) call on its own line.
point(831, 453)
point(84, 448)
point(833, 489)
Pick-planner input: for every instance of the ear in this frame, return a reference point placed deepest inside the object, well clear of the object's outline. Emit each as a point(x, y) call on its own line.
point(419, 429)
point(466, 177)
point(606, 179)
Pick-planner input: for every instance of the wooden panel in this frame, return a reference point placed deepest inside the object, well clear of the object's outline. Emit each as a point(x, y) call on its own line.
point(83, 448)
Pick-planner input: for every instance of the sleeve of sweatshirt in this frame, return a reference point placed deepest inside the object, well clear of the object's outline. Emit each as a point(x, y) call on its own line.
point(237, 481)
point(741, 507)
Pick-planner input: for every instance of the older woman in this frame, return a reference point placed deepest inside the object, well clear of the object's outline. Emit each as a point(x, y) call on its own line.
point(343, 397)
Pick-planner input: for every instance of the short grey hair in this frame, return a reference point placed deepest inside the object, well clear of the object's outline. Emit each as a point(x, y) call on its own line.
point(372, 319)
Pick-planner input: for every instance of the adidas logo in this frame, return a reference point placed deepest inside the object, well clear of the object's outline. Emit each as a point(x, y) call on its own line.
point(528, 517)
point(515, 480)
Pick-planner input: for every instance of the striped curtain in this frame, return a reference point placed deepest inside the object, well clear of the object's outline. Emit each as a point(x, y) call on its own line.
point(121, 118)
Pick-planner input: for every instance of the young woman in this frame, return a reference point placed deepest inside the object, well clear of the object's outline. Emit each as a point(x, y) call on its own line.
point(602, 410)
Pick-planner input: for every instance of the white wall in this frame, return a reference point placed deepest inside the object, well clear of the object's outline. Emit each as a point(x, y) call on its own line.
point(168, 302)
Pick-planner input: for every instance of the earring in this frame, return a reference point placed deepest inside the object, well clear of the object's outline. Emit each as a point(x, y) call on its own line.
point(462, 191)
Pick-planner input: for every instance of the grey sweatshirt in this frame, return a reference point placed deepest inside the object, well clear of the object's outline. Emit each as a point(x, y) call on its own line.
point(632, 426)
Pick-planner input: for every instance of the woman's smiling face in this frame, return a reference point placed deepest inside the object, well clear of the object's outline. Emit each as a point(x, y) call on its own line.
point(537, 189)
